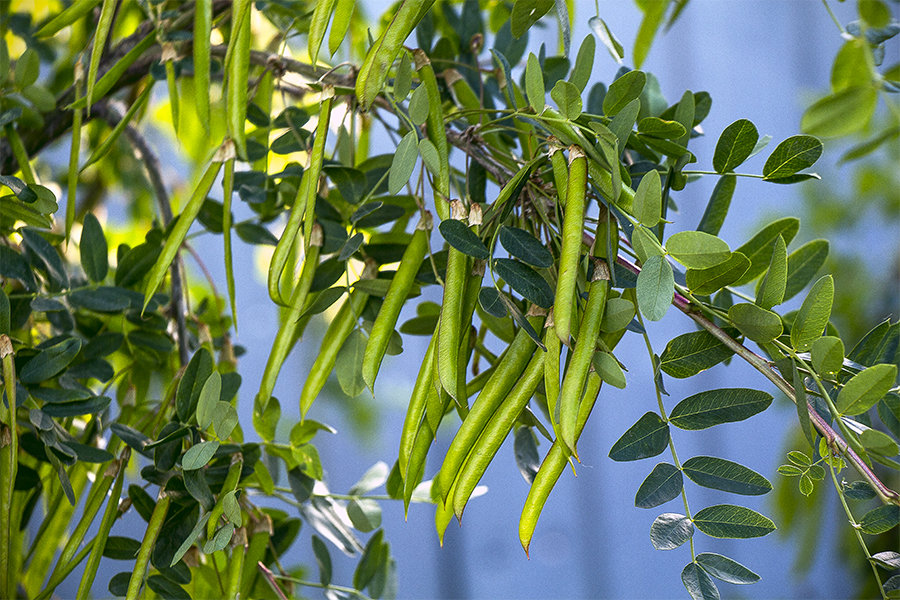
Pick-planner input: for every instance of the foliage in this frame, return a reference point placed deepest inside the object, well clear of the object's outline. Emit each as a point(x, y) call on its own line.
point(552, 218)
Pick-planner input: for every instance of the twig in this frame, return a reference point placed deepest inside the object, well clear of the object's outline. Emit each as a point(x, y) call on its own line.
point(148, 158)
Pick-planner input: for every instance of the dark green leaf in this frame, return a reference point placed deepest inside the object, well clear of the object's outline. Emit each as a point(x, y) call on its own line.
point(730, 521)
point(525, 280)
point(735, 145)
point(105, 299)
point(713, 407)
point(49, 362)
point(623, 90)
point(881, 519)
point(19, 188)
point(691, 353)
point(717, 207)
point(524, 246)
point(662, 484)
point(195, 375)
point(759, 248)
point(320, 550)
point(655, 287)
point(490, 301)
point(792, 155)
point(132, 437)
point(726, 569)
point(803, 264)
point(50, 261)
point(721, 474)
point(90, 454)
point(705, 282)
point(859, 490)
point(91, 406)
point(136, 263)
point(121, 548)
point(118, 584)
point(93, 249)
point(698, 584)
point(463, 239)
point(526, 13)
point(670, 530)
point(648, 437)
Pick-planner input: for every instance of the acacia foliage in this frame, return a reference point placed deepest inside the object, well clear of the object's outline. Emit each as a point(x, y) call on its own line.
point(552, 201)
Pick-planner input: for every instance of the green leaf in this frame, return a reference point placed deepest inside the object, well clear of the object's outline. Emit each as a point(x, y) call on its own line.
point(372, 559)
point(5, 326)
point(219, 540)
point(662, 484)
point(730, 521)
point(348, 365)
point(418, 106)
point(697, 250)
point(756, 323)
point(622, 91)
point(524, 246)
point(209, 398)
point(568, 98)
point(670, 530)
point(93, 249)
point(463, 239)
point(721, 474)
point(849, 68)
point(526, 13)
point(840, 114)
point(803, 264)
point(866, 388)
point(191, 538)
point(323, 559)
point(584, 63)
point(654, 13)
point(50, 362)
point(726, 569)
point(698, 584)
point(646, 438)
point(880, 520)
point(827, 355)
point(199, 455)
point(91, 406)
point(705, 282)
point(814, 314)
point(713, 407)
point(525, 280)
point(607, 38)
point(489, 299)
point(429, 153)
point(365, 514)
point(608, 369)
point(691, 353)
point(403, 77)
point(792, 155)
point(760, 247)
point(47, 257)
point(191, 385)
point(618, 313)
point(878, 442)
point(225, 419)
point(771, 290)
point(526, 453)
point(403, 163)
point(645, 243)
point(648, 199)
point(534, 83)
point(655, 287)
point(735, 145)
point(660, 128)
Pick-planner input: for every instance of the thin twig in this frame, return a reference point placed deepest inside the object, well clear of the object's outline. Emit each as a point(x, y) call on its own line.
point(148, 158)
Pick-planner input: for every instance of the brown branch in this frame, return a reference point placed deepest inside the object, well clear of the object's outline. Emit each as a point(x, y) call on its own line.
point(148, 158)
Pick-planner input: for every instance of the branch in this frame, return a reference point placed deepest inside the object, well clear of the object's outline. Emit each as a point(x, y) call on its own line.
point(832, 438)
point(145, 154)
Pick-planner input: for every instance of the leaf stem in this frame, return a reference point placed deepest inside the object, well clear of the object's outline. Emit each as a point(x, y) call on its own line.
point(751, 175)
point(855, 526)
point(9, 462)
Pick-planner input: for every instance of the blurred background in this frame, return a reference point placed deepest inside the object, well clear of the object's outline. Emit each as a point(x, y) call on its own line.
point(763, 60)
